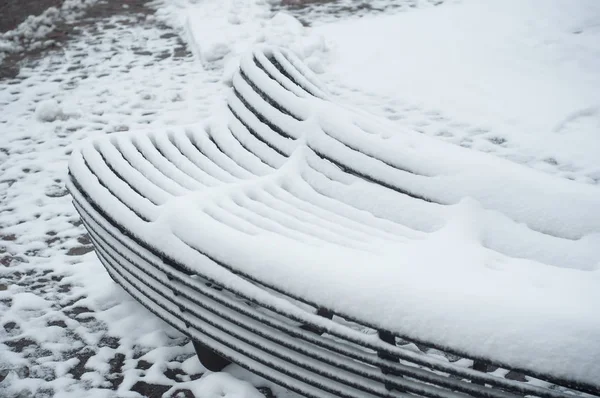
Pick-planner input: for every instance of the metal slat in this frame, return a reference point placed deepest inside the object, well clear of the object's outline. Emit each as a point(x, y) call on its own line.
point(240, 318)
point(263, 112)
point(228, 332)
point(430, 377)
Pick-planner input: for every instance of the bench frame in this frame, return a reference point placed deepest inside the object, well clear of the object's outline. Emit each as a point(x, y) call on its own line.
point(299, 344)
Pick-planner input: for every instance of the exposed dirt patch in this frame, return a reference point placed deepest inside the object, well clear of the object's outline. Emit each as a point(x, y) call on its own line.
point(63, 31)
point(149, 390)
point(299, 3)
point(16, 11)
point(79, 251)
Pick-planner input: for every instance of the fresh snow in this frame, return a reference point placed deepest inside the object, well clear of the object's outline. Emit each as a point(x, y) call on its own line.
point(48, 111)
point(473, 241)
point(516, 79)
point(221, 385)
point(524, 71)
point(242, 24)
point(66, 329)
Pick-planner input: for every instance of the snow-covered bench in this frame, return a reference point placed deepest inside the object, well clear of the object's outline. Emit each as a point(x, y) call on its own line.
point(329, 253)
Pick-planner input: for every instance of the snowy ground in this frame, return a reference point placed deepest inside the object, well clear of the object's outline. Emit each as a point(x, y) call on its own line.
point(528, 91)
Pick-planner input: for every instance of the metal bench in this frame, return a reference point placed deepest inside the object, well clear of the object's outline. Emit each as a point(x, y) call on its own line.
point(174, 217)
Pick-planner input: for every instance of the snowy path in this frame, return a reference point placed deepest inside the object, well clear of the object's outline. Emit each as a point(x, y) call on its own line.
point(66, 330)
point(65, 327)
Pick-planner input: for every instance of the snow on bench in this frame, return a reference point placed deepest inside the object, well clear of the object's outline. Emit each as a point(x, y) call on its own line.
point(329, 252)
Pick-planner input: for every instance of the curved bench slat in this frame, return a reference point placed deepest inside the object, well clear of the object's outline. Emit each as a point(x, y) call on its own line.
point(110, 241)
point(168, 148)
point(283, 182)
point(413, 372)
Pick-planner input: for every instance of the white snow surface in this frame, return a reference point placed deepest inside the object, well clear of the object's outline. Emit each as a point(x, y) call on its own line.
point(526, 69)
point(48, 111)
point(222, 385)
point(475, 270)
point(240, 25)
point(516, 79)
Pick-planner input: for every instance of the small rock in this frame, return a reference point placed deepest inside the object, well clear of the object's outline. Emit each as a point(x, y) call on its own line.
point(79, 251)
point(9, 237)
point(56, 191)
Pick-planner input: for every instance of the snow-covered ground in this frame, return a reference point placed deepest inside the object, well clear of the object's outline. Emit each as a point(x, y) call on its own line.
point(516, 78)
point(523, 74)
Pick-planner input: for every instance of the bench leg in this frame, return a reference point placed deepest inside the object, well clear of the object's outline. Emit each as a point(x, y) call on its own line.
point(209, 359)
